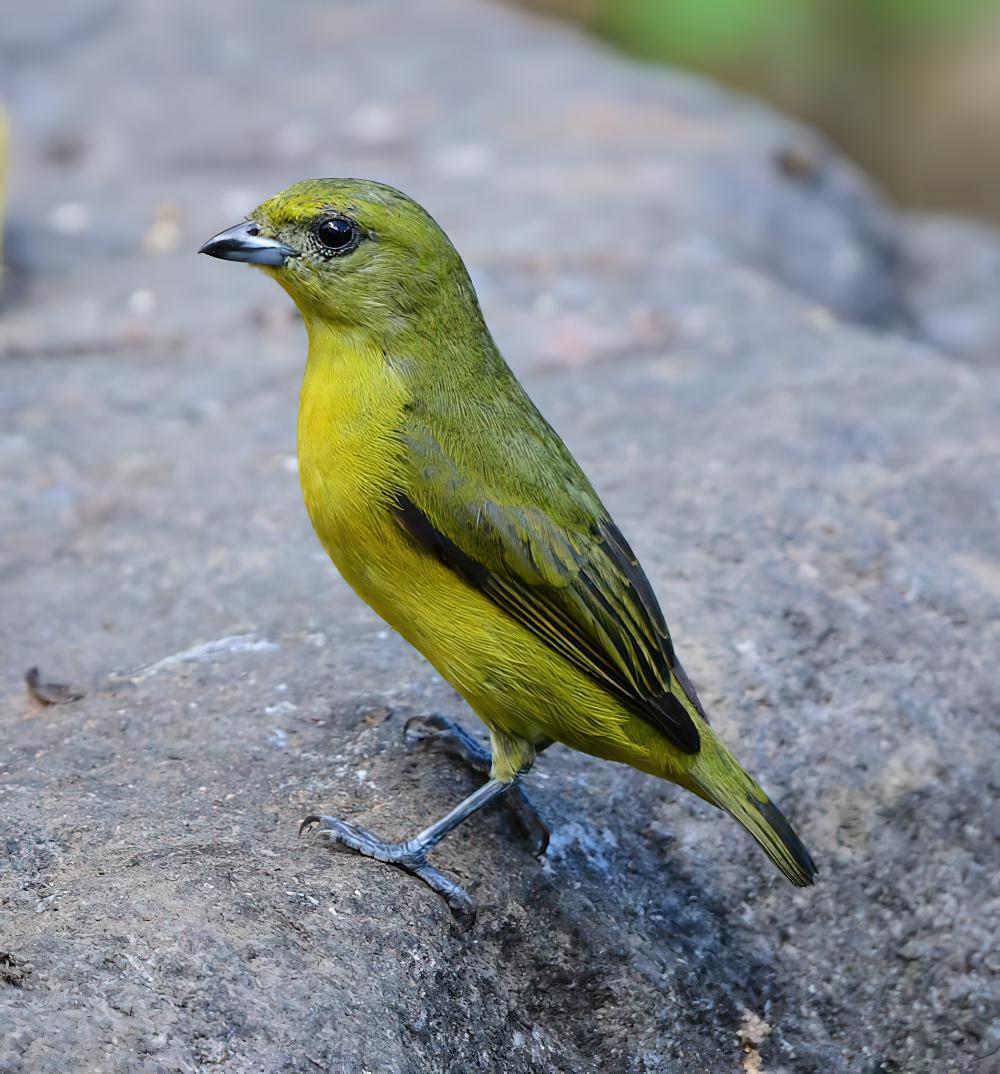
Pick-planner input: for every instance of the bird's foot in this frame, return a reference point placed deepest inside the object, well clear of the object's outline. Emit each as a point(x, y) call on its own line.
point(411, 857)
point(437, 733)
point(434, 732)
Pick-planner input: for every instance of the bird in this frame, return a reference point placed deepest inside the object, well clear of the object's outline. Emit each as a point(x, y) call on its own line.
point(452, 507)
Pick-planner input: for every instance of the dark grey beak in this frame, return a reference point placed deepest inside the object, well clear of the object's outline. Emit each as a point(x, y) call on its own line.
point(245, 243)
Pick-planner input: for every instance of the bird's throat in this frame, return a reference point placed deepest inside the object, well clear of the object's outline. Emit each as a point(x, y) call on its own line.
point(349, 455)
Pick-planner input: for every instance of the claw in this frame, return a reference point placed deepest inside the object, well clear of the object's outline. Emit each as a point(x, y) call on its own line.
point(414, 734)
point(419, 730)
point(461, 904)
point(409, 857)
point(530, 820)
point(308, 824)
point(437, 732)
point(433, 720)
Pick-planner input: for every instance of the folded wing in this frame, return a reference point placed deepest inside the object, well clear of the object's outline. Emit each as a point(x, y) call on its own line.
point(545, 551)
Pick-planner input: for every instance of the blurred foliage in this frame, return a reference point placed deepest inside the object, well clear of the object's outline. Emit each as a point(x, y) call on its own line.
point(670, 28)
point(909, 88)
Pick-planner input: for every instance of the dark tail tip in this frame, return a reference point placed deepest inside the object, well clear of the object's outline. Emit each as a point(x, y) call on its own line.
point(795, 861)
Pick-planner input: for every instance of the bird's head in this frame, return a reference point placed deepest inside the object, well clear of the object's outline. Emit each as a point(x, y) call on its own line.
point(350, 252)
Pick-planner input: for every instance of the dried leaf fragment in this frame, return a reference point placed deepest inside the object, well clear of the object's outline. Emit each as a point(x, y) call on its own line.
point(50, 693)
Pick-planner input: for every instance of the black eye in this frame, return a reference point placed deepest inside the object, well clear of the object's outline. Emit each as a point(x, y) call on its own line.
point(337, 234)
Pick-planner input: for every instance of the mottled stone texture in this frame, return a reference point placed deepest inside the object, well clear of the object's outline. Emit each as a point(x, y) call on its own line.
point(713, 309)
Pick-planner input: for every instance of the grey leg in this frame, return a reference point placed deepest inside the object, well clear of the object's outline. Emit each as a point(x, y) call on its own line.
point(437, 733)
point(411, 856)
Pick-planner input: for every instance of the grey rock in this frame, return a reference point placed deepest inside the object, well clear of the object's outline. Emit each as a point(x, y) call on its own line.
point(952, 273)
point(814, 502)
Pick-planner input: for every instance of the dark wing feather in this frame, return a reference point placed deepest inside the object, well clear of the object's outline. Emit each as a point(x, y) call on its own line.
point(581, 591)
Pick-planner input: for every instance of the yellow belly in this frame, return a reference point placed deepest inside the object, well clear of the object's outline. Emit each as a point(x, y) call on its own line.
point(349, 465)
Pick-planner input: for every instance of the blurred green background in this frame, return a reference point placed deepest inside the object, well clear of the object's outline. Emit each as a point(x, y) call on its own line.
point(909, 88)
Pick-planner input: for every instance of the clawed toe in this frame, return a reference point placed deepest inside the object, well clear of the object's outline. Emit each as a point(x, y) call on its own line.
point(530, 820)
point(338, 831)
point(419, 732)
point(353, 837)
point(438, 733)
point(430, 724)
point(442, 735)
point(410, 857)
point(309, 823)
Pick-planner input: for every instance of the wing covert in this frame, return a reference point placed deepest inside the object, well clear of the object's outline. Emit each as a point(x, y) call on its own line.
point(562, 569)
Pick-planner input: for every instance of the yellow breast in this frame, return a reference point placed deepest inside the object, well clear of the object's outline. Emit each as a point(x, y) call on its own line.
point(349, 456)
point(350, 466)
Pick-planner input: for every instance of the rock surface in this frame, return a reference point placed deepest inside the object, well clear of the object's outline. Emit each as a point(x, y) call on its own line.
point(952, 274)
point(680, 278)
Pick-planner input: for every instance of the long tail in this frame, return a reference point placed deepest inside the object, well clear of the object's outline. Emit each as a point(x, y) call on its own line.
point(733, 791)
